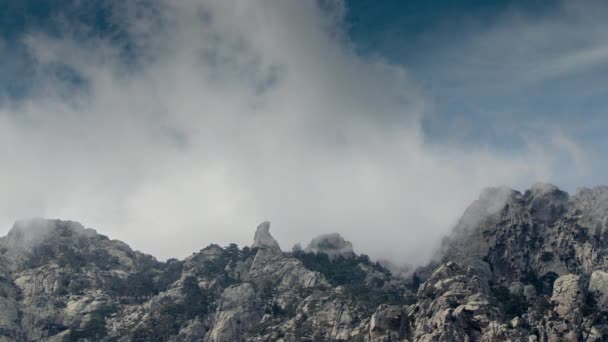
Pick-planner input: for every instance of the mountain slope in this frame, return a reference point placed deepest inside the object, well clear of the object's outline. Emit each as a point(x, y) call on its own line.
point(525, 265)
point(518, 266)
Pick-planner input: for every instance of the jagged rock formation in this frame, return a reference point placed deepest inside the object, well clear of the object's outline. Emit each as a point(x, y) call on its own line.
point(529, 266)
point(549, 249)
point(263, 239)
point(62, 282)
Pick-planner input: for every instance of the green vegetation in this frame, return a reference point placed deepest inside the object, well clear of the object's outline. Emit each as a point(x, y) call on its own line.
point(542, 285)
point(513, 305)
point(415, 283)
point(168, 320)
point(69, 249)
point(148, 280)
point(590, 304)
point(338, 271)
point(95, 327)
point(542, 305)
point(546, 257)
point(71, 252)
point(171, 271)
point(347, 272)
point(216, 268)
point(197, 302)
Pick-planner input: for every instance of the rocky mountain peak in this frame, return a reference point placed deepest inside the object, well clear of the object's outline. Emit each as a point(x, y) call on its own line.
point(591, 204)
point(264, 240)
point(542, 189)
point(599, 193)
point(333, 245)
point(531, 231)
point(528, 266)
point(490, 203)
point(546, 202)
point(27, 234)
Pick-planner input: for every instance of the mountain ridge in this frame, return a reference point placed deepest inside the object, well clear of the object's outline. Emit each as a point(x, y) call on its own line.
point(518, 266)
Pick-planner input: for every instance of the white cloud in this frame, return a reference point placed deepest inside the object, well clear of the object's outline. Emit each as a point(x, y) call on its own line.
point(573, 62)
point(520, 49)
point(241, 111)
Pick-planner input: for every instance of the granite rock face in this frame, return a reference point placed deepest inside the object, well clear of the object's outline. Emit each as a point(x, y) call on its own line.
point(264, 240)
point(62, 282)
point(598, 286)
point(549, 250)
point(529, 266)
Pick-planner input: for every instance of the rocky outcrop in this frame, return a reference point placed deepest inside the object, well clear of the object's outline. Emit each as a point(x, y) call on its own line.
point(60, 281)
point(598, 286)
point(333, 245)
point(454, 304)
point(263, 239)
point(389, 322)
point(528, 266)
point(542, 231)
point(283, 272)
point(568, 296)
point(547, 249)
point(238, 312)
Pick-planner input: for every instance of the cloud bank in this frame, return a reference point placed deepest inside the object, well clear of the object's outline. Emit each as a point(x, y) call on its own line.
point(218, 115)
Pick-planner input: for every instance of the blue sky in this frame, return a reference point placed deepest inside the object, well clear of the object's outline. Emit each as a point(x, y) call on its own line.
point(434, 40)
point(480, 94)
point(473, 58)
point(209, 116)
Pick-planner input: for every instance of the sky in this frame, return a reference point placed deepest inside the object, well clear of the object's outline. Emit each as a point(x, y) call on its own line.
point(172, 125)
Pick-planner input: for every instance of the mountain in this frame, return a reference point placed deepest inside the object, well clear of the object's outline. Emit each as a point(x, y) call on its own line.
point(526, 266)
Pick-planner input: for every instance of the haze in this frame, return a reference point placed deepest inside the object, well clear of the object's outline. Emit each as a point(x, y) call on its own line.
point(189, 122)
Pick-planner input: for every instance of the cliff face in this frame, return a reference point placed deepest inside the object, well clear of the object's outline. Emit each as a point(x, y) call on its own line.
point(543, 230)
point(519, 266)
point(540, 259)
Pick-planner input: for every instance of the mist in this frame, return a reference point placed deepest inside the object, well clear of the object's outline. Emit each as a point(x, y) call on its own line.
point(223, 114)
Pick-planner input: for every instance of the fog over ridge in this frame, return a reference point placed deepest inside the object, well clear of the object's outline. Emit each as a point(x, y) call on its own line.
point(229, 113)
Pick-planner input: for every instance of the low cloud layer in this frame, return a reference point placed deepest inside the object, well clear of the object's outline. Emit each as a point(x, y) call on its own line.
point(226, 113)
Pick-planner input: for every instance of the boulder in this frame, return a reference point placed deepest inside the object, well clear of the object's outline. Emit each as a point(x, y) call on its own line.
point(236, 314)
point(388, 318)
point(567, 295)
point(598, 284)
point(264, 240)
